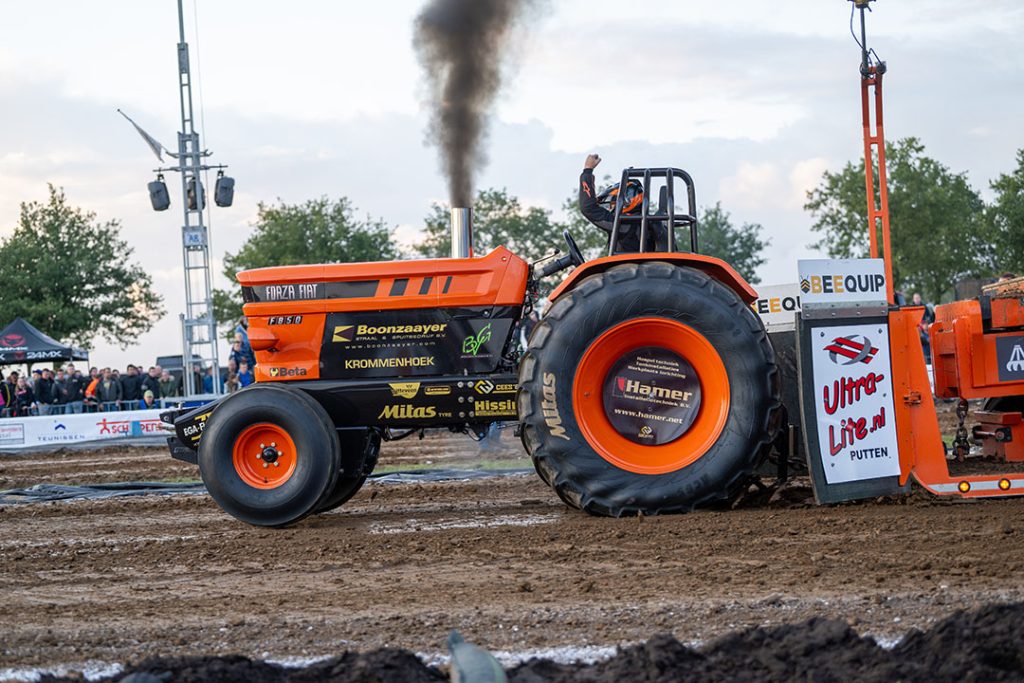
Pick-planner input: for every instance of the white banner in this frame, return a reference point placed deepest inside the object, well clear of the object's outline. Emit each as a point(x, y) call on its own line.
point(854, 402)
point(32, 432)
point(841, 281)
point(777, 306)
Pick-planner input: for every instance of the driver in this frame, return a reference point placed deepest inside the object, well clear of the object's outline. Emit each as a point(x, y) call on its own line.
point(599, 209)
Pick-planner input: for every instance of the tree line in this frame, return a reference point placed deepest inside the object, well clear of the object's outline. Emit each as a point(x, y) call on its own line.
point(74, 276)
point(942, 229)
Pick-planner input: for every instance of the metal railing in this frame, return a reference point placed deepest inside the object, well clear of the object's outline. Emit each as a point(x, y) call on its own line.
point(666, 210)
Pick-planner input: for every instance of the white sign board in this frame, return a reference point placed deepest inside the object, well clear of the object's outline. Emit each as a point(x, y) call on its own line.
point(777, 306)
point(194, 236)
point(841, 281)
point(31, 432)
point(854, 402)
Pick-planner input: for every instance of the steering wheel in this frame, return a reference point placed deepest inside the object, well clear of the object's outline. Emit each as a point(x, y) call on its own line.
point(575, 255)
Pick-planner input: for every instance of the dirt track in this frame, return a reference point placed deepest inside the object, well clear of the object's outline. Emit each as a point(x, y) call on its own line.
point(501, 559)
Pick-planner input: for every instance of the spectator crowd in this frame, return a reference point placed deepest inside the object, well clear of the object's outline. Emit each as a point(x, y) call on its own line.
point(67, 390)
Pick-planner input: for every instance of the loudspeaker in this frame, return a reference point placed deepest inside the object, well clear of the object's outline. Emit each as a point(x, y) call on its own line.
point(224, 190)
point(158, 196)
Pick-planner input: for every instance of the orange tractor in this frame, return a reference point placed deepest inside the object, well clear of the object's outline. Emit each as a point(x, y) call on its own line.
point(650, 386)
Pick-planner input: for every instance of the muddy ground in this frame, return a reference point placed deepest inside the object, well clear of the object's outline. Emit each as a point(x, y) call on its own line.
point(500, 559)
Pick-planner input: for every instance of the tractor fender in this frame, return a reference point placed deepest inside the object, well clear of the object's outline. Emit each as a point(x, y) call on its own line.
point(713, 267)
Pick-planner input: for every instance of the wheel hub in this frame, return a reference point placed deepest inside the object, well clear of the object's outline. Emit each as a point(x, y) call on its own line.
point(651, 396)
point(269, 455)
point(264, 455)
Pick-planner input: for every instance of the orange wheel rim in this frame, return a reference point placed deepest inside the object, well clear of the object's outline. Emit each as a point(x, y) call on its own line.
point(264, 456)
point(693, 428)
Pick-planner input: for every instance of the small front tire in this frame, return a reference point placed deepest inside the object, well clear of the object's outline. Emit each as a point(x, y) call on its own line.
point(269, 455)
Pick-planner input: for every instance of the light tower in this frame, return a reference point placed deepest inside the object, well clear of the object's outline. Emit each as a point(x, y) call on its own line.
point(198, 325)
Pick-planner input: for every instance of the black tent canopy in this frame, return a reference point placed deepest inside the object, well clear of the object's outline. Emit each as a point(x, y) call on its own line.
point(20, 343)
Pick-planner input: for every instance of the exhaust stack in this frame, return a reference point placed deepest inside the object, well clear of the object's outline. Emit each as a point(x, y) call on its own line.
point(462, 233)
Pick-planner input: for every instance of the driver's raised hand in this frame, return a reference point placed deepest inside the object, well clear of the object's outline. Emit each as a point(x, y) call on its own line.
point(592, 161)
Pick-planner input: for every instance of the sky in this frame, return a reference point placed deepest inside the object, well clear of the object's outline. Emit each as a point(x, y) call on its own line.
point(324, 98)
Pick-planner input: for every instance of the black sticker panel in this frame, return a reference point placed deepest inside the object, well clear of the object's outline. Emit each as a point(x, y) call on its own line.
point(1010, 356)
point(309, 291)
point(651, 396)
point(428, 402)
point(411, 343)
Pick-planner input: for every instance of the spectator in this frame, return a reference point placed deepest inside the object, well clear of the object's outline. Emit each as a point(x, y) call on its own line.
point(151, 382)
point(8, 392)
point(232, 370)
point(168, 384)
point(238, 353)
point(44, 391)
point(927, 318)
point(60, 393)
point(148, 401)
point(26, 398)
point(208, 381)
point(242, 335)
point(245, 376)
point(197, 380)
point(74, 387)
point(131, 386)
point(231, 384)
point(37, 377)
point(109, 391)
point(91, 400)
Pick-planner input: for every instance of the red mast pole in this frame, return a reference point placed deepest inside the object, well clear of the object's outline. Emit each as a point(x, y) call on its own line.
point(874, 147)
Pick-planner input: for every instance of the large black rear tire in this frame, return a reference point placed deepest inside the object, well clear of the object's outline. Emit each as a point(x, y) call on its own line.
point(250, 435)
point(637, 316)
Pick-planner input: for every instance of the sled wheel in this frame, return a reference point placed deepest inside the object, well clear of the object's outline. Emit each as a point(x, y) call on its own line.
point(359, 451)
point(649, 388)
point(269, 455)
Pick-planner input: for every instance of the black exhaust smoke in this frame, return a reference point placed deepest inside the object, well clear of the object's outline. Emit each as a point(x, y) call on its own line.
point(460, 45)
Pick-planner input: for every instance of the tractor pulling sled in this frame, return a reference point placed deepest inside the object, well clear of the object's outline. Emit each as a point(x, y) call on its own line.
point(649, 387)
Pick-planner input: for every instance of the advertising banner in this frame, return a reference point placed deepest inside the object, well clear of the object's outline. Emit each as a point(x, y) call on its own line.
point(56, 430)
point(777, 306)
point(1010, 355)
point(841, 281)
point(416, 343)
point(852, 391)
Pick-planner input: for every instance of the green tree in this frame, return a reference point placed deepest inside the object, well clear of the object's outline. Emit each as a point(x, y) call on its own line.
point(317, 231)
point(498, 219)
point(73, 278)
point(1006, 220)
point(938, 234)
point(740, 247)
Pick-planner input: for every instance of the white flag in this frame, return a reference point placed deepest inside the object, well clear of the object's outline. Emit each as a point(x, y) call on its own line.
point(150, 140)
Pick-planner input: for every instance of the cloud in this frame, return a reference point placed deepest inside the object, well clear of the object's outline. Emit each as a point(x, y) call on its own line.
point(756, 100)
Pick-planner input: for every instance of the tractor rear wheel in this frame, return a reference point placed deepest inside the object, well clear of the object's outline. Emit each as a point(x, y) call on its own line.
point(359, 451)
point(269, 455)
point(647, 389)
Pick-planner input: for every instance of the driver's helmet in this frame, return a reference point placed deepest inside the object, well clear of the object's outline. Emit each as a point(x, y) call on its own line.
point(633, 197)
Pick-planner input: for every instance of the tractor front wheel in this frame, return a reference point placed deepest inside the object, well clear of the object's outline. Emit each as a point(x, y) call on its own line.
point(269, 455)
